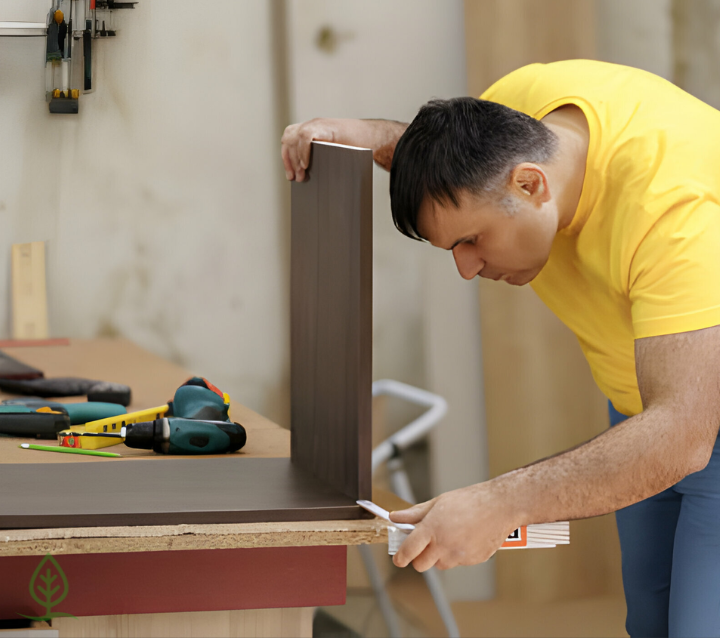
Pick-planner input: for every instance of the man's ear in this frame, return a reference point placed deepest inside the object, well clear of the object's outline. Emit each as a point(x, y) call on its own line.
point(528, 181)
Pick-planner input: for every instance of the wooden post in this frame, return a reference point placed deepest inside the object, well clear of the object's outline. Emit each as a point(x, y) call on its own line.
point(29, 294)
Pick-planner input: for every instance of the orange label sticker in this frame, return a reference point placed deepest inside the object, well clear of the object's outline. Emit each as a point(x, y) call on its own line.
point(517, 539)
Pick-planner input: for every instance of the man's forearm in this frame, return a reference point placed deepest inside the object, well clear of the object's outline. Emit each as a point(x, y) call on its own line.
point(381, 132)
point(383, 137)
point(632, 461)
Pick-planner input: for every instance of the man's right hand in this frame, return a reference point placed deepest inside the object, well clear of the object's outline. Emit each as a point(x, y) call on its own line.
point(296, 144)
point(379, 135)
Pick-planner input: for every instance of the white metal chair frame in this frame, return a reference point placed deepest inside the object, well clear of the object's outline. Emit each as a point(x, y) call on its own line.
point(390, 452)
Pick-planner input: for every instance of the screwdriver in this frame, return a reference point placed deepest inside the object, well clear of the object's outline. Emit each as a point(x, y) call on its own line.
point(185, 436)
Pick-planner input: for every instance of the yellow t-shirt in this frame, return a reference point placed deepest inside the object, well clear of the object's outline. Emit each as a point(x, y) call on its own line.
point(641, 257)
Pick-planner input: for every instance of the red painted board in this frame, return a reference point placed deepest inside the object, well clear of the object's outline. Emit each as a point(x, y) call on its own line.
point(33, 343)
point(173, 581)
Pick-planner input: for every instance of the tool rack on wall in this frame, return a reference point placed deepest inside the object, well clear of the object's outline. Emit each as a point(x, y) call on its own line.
point(71, 27)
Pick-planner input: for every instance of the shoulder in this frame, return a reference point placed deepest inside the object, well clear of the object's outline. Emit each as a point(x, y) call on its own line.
point(532, 88)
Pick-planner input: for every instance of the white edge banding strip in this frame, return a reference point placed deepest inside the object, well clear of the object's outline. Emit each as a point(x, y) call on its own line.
point(356, 148)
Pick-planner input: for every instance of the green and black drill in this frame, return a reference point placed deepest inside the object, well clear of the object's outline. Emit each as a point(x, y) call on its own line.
point(197, 422)
point(175, 435)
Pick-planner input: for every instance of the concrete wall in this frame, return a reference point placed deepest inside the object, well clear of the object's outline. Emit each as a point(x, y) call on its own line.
point(380, 69)
point(697, 47)
point(161, 200)
point(637, 33)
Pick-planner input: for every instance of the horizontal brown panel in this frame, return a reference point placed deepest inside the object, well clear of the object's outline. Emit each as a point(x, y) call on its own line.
point(187, 491)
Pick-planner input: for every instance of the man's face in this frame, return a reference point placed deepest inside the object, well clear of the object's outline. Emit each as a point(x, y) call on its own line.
point(487, 240)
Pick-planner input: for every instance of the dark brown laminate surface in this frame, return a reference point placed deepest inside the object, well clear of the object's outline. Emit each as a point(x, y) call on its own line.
point(186, 491)
point(331, 318)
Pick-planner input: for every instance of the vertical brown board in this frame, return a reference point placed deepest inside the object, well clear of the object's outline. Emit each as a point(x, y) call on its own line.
point(331, 318)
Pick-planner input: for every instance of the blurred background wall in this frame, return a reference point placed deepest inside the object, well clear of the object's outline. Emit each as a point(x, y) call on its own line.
point(161, 200)
point(165, 209)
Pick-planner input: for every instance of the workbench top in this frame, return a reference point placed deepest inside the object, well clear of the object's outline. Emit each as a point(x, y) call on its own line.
point(153, 381)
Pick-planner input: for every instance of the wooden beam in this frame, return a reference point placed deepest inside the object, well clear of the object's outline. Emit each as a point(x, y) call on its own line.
point(29, 293)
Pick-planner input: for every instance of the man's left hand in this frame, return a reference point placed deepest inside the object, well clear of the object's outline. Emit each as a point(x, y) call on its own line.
point(462, 527)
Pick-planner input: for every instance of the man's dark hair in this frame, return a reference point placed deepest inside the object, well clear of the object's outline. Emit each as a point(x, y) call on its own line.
point(460, 144)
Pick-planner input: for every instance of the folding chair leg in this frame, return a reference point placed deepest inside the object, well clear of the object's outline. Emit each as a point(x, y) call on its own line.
point(381, 595)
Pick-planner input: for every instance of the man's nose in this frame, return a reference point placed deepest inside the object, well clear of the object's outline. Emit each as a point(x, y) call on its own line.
point(468, 262)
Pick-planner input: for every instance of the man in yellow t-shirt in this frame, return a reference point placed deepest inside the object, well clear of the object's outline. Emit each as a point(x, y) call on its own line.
point(599, 185)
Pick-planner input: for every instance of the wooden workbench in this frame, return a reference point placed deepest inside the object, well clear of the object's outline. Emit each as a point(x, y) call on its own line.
point(226, 579)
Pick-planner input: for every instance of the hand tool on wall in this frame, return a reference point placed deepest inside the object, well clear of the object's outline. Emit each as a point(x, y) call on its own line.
point(69, 68)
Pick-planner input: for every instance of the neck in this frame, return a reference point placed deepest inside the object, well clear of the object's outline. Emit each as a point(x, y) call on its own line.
point(566, 170)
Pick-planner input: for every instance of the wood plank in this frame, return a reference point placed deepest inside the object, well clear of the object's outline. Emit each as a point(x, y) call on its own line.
point(331, 318)
point(249, 623)
point(153, 538)
point(100, 540)
point(29, 293)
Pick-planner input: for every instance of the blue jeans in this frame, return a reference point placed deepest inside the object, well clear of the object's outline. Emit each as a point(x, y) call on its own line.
point(670, 547)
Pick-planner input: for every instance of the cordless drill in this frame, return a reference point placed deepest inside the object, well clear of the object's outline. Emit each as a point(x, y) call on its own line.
point(175, 435)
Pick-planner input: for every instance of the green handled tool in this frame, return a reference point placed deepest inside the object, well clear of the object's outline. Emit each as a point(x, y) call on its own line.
point(185, 436)
point(79, 413)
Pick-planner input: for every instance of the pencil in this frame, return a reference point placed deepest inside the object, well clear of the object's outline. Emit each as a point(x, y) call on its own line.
point(66, 450)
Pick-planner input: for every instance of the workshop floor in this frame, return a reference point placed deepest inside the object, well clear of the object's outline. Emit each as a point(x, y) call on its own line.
point(591, 617)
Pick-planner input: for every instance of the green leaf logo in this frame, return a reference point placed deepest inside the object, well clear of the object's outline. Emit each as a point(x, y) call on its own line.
point(49, 587)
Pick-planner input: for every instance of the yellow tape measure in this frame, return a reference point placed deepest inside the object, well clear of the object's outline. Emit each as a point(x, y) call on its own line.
point(114, 423)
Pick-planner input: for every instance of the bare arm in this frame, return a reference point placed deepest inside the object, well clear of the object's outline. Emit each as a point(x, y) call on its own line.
point(679, 380)
point(379, 135)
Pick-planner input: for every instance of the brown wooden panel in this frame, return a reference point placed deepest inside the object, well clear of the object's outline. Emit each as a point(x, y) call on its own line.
point(187, 491)
point(331, 318)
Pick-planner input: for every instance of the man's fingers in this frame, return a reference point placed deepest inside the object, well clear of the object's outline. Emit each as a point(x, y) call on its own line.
point(289, 173)
point(304, 145)
point(412, 547)
point(294, 161)
point(427, 558)
point(413, 514)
